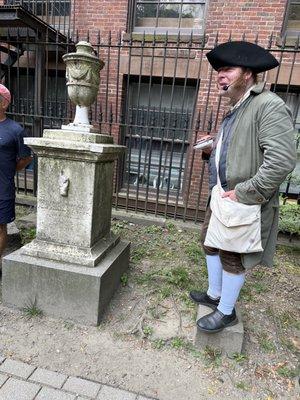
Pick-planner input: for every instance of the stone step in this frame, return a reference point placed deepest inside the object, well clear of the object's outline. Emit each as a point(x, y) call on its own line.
point(229, 340)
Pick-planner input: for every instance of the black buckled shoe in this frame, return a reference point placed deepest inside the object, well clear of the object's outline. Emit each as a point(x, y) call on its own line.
point(203, 298)
point(216, 321)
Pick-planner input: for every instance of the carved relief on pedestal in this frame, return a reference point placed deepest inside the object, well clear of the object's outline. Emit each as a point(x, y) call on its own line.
point(63, 183)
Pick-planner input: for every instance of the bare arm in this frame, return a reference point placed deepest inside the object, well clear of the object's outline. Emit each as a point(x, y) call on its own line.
point(23, 162)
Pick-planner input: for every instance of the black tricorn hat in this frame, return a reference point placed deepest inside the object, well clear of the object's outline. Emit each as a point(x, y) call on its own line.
point(241, 54)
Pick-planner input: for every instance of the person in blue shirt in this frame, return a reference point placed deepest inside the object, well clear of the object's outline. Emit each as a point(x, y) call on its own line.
point(14, 156)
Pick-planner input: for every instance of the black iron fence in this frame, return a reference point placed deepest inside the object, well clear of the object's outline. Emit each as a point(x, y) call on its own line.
point(157, 96)
point(57, 13)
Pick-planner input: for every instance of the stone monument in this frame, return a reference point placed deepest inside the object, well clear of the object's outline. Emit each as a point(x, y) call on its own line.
point(73, 266)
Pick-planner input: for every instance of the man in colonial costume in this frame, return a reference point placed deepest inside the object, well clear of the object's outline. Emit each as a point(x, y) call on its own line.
point(256, 154)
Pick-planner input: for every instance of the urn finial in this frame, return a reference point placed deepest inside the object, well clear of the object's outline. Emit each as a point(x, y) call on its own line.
point(83, 78)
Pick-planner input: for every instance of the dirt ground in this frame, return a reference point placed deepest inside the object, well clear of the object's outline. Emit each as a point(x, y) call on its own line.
point(145, 341)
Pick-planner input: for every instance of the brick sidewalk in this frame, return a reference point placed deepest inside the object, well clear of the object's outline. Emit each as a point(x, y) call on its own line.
point(21, 381)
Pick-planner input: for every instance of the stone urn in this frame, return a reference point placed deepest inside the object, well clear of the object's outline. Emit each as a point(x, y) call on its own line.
point(83, 78)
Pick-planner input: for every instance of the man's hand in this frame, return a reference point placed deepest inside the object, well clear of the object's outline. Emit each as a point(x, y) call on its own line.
point(207, 150)
point(22, 163)
point(230, 194)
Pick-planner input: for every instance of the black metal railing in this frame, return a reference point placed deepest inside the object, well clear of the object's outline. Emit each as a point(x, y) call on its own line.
point(157, 96)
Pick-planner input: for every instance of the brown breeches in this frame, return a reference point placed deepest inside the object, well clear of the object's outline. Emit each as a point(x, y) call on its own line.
point(231, 262)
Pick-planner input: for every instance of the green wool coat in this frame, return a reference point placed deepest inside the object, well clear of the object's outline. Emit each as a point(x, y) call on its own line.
point(260, 155)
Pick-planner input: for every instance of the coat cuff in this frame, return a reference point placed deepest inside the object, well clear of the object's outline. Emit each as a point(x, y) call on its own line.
point(246, 193)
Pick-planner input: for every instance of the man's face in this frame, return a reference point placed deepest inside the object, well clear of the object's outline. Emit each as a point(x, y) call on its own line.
point(3, 104)
point(232, 77)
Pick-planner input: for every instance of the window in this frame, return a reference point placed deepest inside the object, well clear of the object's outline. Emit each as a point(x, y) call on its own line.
point(169, 16)
point(157, 132)
point(292, 19)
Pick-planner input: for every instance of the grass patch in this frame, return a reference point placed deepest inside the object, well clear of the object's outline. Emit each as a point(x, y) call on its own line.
point(165, 279)
point(286, 372)
point(194, 252)
point(246, 293)
point(124, 279)
point(288, 320)
point(178, 343)
point(138, 253)
point(266, 344)
point(158, 344)
point(239, 357)
point(27, 235)
point(148, 331)
point(178, 277)
point(242, 386)
point(212, 356)
point(154, 229)
point(32, 310)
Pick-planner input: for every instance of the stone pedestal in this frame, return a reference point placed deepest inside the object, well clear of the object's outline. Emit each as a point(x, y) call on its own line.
point(229, 340)
point(75, 263)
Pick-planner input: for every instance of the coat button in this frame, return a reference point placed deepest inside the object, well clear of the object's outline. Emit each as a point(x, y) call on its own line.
point(260, 199)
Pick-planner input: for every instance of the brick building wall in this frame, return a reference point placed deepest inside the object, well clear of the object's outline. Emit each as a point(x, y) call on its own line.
point(104, 24)
point(249, 20)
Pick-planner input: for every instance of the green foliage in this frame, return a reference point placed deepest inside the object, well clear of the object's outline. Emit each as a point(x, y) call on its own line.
point(288, 344)
point(194, 252)
point(246, 293)
point(239, 357)
point(119, 226)
point(242, 386)
point(124, 279)
point(153, 229)
point(68, 325)
point(289, 218)
point(158, 344)
point(287, 372)
point(288, 320)
point(212, 356)
point(138, 253)
point(27, 235)
point(165, 292)
point(168, 277)
point(266, 344)
point(147, 330)
point(178, 276)
point(171, 227)
point(260, 287)
point(31, 309)
point(177, 343)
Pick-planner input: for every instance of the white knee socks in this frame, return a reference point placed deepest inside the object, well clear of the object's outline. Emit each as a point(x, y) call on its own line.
point(231, 286)
point(214, 269)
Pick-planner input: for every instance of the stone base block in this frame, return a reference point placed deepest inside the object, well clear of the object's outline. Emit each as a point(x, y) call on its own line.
point(60, 289)
point(229, 340)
